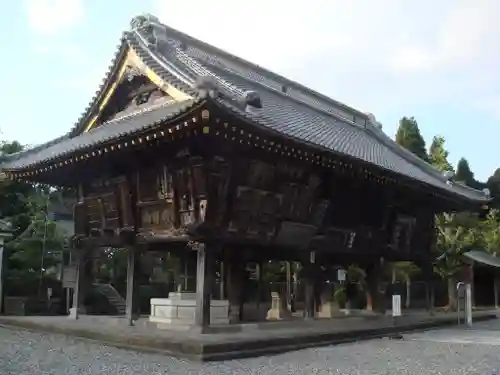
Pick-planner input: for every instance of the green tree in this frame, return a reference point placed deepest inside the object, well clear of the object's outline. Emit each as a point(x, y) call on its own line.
point(404, 272)
point(409, 137)
point(464, 173)
point(16, 198)
point(456, 234)
point(493, 184)
point(438, 155)
point(490, 232)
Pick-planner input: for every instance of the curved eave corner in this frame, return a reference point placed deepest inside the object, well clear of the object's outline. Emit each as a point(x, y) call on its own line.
point(141, 128)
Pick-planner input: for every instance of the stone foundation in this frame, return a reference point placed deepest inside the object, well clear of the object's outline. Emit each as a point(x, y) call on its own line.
point(178, 311)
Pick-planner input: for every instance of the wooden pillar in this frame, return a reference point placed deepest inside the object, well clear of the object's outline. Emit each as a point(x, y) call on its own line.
point(373, 278)
point(222, 281)
point(132, 309)
point(258, 271)
point(310, 284)
point(235, 273)
point(204, 280)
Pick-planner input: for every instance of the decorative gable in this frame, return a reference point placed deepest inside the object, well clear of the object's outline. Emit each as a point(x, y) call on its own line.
point(134, 88)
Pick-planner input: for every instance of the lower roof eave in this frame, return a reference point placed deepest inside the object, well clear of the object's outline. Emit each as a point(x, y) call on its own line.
point(44, 160)
point(472, 199)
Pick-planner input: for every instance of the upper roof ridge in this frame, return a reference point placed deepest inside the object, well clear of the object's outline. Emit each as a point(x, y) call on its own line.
point(154, 38)
point(293, 88)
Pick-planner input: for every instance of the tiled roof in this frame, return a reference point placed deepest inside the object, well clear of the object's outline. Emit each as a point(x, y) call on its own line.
point(287, 107)
point(269, 100)
point(127, 125)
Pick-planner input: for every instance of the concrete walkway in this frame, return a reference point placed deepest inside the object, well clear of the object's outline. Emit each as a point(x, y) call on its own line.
point(250, 340)
point(481, 333)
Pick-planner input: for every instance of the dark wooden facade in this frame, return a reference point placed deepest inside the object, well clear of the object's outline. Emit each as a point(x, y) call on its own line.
point(211, 178)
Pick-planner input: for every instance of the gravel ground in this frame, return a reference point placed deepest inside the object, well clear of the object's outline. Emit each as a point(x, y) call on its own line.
point(29, 353)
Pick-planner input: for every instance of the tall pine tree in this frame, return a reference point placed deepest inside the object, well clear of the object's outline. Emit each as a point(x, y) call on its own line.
point(464, 173)
point(493, 184)
point(438, 155)
point(409, 137)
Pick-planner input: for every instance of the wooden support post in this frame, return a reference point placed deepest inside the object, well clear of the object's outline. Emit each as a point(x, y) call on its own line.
point(204, 278)
point(132, 306)
point(310, 284)
point(222, 284)
point(258, 270)
point(235, 286)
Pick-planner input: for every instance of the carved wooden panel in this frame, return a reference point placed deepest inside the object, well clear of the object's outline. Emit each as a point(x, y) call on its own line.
point(165, 184)
point(109, 202)
point(126, 210)
point(94, 214)
point(402, 233)
point(157, 215)
point(261, 175)
point(242, 211)
point(185, 198)
point(148, 188)
point(255, 212)
point(290, 192)
point(199, 179)
point(267, 215)
point(80, 219)
point(218, 181)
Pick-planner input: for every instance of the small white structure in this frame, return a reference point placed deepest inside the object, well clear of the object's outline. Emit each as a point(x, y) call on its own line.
point(178, 311)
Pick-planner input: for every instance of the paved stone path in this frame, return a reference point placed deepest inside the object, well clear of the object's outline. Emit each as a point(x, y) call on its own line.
point(433, 352)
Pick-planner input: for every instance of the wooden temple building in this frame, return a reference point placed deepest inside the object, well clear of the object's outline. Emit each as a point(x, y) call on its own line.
point(188, 149)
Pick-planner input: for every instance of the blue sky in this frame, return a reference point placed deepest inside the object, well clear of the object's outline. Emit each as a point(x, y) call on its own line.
point(438, 63)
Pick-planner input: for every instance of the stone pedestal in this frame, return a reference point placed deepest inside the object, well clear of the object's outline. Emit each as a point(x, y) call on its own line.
point(328, 307)
point(278, 310)
point(178, 311)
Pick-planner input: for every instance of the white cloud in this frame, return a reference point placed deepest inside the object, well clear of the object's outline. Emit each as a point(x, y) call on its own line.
point(367, 53)
point(49, 17)
point(411, 59)
point(86, 83)
point(71, 54)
